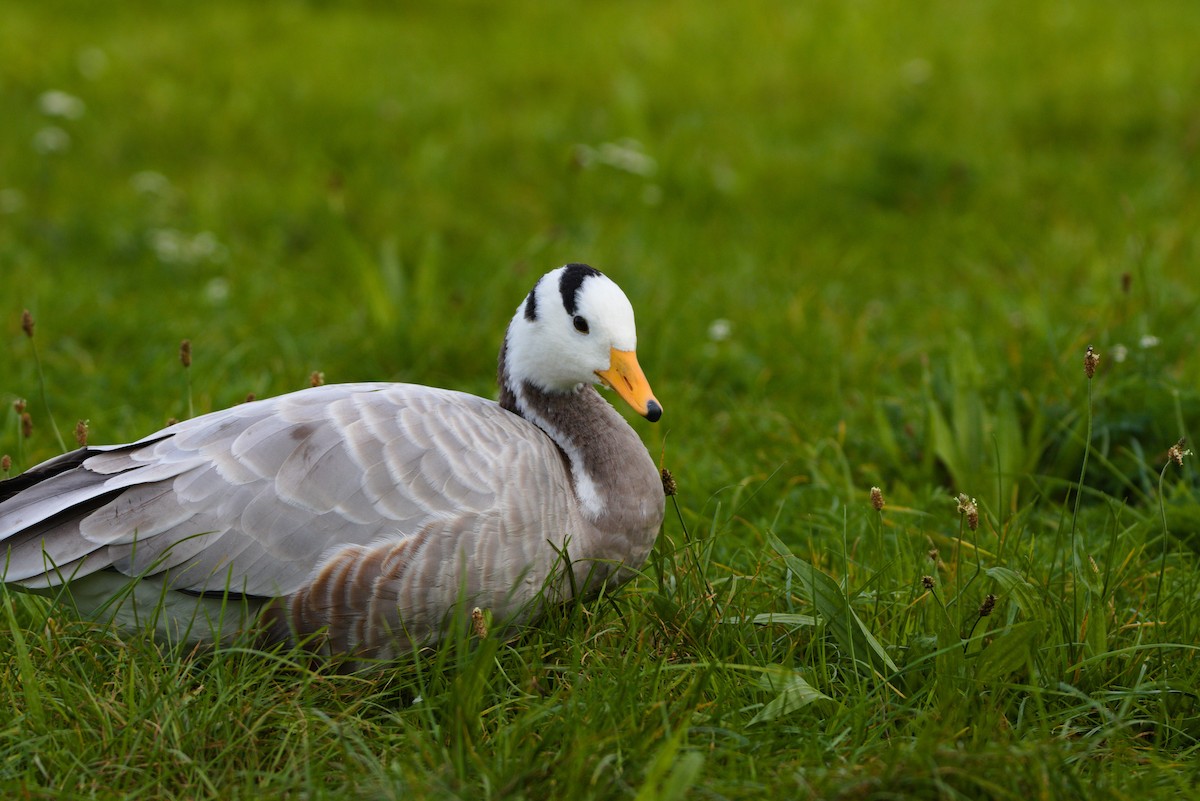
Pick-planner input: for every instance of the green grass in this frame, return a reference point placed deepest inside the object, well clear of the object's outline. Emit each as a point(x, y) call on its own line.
point(913, 217)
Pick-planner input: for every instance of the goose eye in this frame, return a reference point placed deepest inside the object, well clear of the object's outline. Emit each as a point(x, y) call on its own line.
point(581, 325)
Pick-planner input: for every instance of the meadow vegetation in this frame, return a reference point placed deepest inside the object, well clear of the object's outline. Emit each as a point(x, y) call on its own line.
point(869, 245)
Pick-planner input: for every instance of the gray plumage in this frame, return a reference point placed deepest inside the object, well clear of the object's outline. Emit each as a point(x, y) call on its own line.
point(363, 514)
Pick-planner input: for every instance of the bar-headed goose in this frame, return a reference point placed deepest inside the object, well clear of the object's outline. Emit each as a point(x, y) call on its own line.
point(361, 516)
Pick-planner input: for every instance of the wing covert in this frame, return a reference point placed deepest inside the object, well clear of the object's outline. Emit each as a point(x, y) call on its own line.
point(253, 497)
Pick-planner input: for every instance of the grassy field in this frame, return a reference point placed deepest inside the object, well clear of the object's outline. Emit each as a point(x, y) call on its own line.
point(868, 244)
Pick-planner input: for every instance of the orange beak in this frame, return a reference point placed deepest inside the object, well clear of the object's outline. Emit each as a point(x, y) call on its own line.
point(625, 377)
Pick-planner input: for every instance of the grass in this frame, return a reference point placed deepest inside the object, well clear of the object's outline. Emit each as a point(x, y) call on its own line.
point(868, 245)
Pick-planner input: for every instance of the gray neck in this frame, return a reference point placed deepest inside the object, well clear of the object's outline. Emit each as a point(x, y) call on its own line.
point(614, 478)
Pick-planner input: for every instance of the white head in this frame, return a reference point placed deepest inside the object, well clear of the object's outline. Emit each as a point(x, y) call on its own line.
point(576, 327)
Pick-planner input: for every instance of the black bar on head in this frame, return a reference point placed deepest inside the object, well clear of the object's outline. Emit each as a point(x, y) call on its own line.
point(572, 278)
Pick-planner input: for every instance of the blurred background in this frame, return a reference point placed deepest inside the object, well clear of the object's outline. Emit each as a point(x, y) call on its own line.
point(867, 242)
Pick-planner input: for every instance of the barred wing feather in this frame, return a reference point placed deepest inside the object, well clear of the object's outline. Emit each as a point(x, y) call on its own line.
point(254, 497)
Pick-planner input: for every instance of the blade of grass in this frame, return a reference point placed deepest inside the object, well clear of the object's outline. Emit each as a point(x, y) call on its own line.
point(825, 594)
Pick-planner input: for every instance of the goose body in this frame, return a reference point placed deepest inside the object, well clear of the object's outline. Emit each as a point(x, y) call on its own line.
point(359, 517)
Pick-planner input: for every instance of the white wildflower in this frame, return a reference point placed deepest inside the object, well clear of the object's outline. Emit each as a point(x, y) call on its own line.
point(51, 139)
point(205, 247)
point(625, 155)
point(60, 104)
point(719, 330)
point(216, 291)
point(149, 182)
point(172, 246)
point(166, 244)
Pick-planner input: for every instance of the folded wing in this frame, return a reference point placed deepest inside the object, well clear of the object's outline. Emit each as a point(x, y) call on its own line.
point(251, 499)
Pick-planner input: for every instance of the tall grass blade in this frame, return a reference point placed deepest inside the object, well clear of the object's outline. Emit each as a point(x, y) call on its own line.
point(1016, 587)
point(793, 693)
point(1008, 650)
point(671, 774)
point(29, 683)
point(833, 605)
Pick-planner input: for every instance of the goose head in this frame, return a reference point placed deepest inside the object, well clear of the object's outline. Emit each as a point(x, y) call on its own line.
point(574, 329)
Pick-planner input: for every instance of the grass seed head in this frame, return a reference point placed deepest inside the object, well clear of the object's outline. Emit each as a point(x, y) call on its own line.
point(927, 582)
point(19, 405)
point(1090, 360)
point(27, 323)
point(989, 603)
point(968, 506)
point(1176, 452)
point(185, 353)
point(668, 482)
point(249, 397)
point(5, 463)
point(877, 499)
point(316, 379)
point(26, 425)
point(479, 626)
point(81, 433)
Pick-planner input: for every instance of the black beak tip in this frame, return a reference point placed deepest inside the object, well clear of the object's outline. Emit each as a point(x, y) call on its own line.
point(653, 411)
